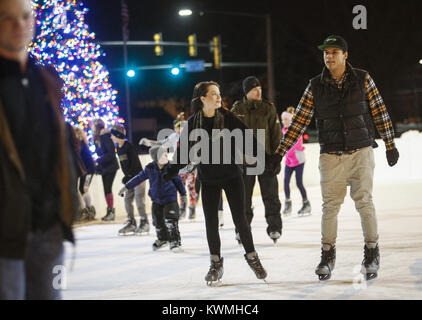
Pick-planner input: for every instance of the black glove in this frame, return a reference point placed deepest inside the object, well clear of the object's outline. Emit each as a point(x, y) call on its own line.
point(169, 172)
point(273, 163)
point(392, 156)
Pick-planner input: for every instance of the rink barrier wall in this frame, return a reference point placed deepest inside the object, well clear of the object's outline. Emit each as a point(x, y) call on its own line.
point(409, 167)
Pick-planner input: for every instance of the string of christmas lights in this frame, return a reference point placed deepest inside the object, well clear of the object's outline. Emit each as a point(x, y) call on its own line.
point(64, 41)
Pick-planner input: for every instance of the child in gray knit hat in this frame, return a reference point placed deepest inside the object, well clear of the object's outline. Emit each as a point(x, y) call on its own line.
point(165, 210)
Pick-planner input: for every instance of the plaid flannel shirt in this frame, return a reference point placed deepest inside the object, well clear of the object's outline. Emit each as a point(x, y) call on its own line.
point(305, 111)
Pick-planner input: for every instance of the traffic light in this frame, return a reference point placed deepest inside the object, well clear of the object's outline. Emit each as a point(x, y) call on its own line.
point(216, 45)
point(193, 49)
point(158, 37)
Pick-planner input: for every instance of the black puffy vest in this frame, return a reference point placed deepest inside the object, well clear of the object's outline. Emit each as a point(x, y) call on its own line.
point(343, 117)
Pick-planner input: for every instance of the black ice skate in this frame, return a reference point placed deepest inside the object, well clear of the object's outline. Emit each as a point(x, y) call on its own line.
point(287, 207)
point(326, 266)
point(306, 208)
point(216, 270)
point(128, 229)
point(158, 244)
point(176, 246)
point(371, 262)
point(256, 266)
point(192, 214)
point(143, 228)
point(275, 235)
point(110, 215)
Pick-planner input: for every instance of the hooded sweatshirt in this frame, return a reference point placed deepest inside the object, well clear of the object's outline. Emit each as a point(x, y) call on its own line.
point(291, 159)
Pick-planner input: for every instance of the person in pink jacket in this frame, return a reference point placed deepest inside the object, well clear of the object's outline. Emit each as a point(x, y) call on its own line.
point(295, 162)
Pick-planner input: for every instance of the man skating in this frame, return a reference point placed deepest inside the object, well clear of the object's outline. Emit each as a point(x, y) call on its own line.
point(347, 106)
point(257, 113)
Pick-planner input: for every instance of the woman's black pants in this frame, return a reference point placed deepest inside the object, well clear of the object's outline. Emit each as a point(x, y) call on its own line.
point(235, 194)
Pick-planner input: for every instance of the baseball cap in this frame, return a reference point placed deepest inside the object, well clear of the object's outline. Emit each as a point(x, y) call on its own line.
point(335, 42)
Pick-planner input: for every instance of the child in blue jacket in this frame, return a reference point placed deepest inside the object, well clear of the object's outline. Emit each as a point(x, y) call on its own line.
point(165, 210)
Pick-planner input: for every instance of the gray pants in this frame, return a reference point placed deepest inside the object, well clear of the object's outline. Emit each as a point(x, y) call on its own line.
point(138, 193)
point(39, 275)
point(337, 172)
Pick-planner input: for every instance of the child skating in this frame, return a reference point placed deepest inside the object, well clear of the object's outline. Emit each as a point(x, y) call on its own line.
point(165, 210)
point(131, 166)
point(295, 162)
point(188, 176)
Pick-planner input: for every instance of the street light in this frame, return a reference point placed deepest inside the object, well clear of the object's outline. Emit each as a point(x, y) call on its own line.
point(185, 12)
point(420, 61)
point(131, 73)
point(267, 17)
point(175, 71)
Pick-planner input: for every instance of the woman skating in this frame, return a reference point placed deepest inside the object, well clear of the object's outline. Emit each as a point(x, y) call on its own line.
point(88, 210)
point(209, 115)
point(107, 164)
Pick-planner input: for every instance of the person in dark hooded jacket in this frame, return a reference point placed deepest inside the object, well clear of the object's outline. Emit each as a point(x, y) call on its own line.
point(107, 164)
point(88, 211)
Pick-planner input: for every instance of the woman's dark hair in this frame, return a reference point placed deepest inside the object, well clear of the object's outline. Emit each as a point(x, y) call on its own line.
point(99, 125)
point(199, 91)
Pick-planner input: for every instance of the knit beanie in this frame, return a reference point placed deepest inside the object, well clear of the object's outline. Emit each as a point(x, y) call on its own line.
point(118, 131)
point(249, 83)
point(156, 152)
point(287, 115)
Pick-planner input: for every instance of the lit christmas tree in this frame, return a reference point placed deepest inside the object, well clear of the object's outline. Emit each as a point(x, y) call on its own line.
point(64, 41)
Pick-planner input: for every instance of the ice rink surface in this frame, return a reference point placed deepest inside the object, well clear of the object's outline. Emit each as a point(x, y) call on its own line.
point(106, 266)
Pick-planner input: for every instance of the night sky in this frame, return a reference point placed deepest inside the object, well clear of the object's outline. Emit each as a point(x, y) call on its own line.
point(390, 49)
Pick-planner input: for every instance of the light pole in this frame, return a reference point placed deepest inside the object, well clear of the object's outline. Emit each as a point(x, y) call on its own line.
point(125, 35)
point(267, 17)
